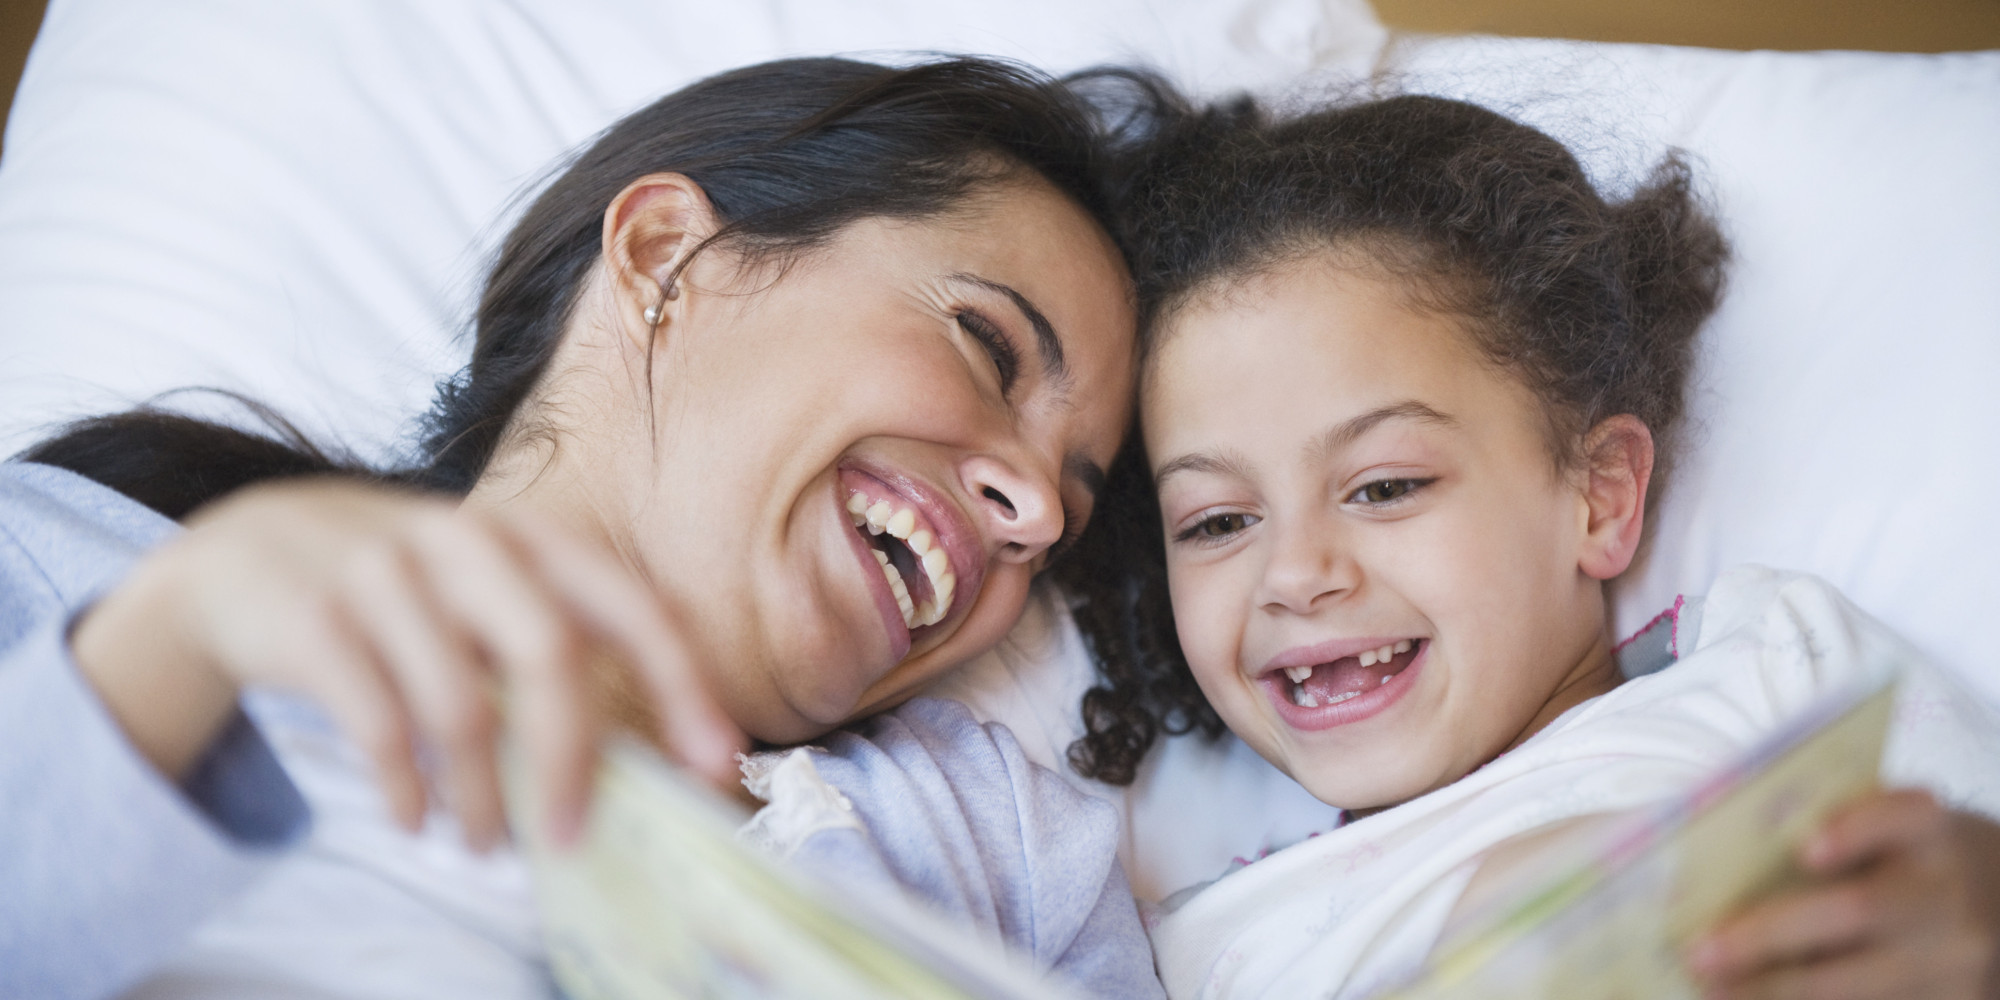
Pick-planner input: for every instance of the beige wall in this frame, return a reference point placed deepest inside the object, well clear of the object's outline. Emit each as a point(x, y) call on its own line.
point(1885, 25)
point(1892, 25)
point(18, 21)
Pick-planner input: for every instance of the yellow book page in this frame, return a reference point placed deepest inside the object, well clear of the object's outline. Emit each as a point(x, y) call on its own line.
point(1614, 928)
point(658, 901)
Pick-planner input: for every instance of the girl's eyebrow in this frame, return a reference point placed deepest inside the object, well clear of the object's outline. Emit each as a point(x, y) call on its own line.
point(1324, 445)
point(1225, 464)
point(1334, 439)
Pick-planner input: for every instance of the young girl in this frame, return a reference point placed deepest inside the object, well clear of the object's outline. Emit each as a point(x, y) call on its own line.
point(1411, 386)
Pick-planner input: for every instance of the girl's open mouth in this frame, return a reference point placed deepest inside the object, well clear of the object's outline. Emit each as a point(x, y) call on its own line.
point(1347, 686)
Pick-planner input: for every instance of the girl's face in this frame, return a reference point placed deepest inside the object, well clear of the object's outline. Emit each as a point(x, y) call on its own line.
point(962, 380)
point(1373, 559)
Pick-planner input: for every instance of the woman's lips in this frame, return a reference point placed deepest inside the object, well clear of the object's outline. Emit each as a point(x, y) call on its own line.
point(1344, 687)
point(919, 554)
point(878, 590)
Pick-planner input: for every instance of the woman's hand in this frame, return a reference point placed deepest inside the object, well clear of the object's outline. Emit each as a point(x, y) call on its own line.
point(1906, 905)
point(405, 618)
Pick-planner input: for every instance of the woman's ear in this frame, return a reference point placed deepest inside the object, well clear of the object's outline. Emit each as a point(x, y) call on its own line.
point(649, 230)
point(1619, 454)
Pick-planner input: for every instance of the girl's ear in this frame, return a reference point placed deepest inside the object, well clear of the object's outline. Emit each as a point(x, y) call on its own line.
point(1619, 452)
point(649, 229)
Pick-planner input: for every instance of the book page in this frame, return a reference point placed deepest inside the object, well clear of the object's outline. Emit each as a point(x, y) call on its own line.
point(658, 900)
point(1613, 926)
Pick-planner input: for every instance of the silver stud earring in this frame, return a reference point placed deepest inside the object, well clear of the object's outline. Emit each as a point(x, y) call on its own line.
point(659, 309)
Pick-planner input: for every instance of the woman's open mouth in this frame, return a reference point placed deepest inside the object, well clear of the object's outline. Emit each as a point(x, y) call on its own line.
point(1335, 684)
point(912, 557)
point(922, 559)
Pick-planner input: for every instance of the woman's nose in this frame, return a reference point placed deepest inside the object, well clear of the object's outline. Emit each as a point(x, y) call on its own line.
point(1306, 566)
point(1021, 509)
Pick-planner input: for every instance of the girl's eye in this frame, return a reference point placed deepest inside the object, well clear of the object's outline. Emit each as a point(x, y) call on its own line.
point(1006, 360)
point(1217, 527)
point(1386, 491)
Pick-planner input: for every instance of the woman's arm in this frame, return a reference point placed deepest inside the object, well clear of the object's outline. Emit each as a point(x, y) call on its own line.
point(139, 798)
point(409, 621)
point(105, 866)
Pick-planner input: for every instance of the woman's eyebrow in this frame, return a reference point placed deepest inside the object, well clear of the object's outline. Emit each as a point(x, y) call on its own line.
point(1054, 365)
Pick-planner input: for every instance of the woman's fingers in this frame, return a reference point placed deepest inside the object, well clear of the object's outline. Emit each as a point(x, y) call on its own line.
point(618, 608)
point(441, 679)
point(342, 674)
point(527, 636)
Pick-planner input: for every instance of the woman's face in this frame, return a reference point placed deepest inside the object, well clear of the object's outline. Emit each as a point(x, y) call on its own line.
point(963, 379)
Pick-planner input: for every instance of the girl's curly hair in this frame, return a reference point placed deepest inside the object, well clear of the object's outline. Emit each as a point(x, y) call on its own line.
point(1593, 303)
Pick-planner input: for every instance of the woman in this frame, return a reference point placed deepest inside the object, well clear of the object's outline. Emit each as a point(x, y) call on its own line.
point(778, 301)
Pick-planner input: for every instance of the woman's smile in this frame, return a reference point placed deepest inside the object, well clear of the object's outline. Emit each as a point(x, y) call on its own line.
point(920, 558)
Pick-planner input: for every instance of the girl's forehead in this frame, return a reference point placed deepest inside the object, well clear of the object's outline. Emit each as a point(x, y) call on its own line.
point(1319, 321)
point(1292, 352)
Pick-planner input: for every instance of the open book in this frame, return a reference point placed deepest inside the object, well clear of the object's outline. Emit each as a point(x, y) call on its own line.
point(1611, 921)
point(658, 900)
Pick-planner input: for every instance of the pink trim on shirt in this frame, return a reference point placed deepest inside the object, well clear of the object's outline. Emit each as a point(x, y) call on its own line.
point(1673, 637)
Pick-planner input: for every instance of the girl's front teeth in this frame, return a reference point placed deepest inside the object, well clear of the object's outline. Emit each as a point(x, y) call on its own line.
point(1305, 699)
point(881, 517)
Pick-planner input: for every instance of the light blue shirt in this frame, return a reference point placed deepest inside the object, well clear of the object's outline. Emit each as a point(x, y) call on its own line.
point(106, 866)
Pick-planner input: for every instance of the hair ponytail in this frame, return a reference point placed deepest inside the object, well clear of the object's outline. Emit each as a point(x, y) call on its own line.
point(174, 463)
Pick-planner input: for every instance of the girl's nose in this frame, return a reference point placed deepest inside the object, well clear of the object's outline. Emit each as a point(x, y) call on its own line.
point(1021, 509)
point(1305, 568)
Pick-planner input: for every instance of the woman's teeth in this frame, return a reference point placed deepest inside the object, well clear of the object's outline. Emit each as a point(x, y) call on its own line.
point(881, 517)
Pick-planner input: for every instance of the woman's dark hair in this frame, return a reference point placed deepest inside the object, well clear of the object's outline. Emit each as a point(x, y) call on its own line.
point(1592, 303)
point(788, 153)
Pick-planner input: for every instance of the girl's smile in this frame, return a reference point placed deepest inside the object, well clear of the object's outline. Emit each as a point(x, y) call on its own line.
point(1343, 681)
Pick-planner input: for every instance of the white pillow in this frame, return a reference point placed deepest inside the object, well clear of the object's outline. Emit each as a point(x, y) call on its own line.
point(1845, 419)
point(294, 200)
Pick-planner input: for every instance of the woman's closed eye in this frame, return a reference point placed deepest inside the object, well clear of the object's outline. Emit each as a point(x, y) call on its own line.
point(1006, 360)
point(1387, 492)
point(1217, 528)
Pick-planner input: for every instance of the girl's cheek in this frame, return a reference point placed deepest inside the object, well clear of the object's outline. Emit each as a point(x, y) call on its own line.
point(1207, 615)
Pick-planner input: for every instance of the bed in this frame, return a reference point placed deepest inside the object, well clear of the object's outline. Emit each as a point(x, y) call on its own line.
point(294, 201)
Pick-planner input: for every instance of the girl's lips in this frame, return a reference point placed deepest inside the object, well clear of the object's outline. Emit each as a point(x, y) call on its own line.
point(1367, 704)
point(936, 513)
